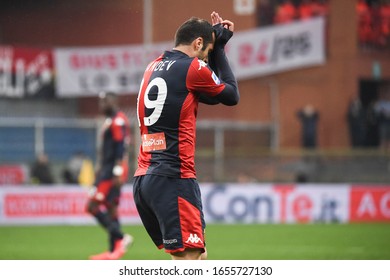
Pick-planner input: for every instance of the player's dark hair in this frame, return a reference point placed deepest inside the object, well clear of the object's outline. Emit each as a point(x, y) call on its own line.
point(192, 29)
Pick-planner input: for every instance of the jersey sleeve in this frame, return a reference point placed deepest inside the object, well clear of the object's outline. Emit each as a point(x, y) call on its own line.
point(201, 79)
point(117, 129)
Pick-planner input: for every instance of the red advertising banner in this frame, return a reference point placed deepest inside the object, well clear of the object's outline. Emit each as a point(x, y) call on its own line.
point(55, 205)
point(370, 204)
point(13, 174)
point(26, 72)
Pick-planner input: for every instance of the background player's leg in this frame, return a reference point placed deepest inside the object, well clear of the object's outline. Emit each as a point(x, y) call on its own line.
point(114, 228)
point(102, 217)
point(118, 240)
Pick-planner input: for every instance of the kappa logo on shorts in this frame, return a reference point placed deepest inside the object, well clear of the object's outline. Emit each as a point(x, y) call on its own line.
point(194, 239)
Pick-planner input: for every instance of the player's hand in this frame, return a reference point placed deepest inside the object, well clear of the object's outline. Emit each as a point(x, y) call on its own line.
point(223, 29)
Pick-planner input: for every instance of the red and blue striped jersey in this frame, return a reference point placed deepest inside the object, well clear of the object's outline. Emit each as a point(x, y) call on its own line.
point(167, 109)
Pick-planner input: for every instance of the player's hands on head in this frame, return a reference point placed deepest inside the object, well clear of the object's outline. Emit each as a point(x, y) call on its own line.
point(223, 29)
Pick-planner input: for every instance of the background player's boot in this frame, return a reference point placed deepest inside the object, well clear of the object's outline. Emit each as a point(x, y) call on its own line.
point(121, 247)
point(101, 256)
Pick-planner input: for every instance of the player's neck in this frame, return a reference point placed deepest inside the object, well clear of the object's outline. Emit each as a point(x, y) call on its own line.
point(187, 49)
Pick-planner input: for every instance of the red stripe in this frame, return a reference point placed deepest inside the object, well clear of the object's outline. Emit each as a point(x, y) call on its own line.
point(187, 136)
point(191, 225)
point(143, 158)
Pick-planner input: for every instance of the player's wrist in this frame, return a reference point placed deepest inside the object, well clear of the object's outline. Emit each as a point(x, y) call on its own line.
point(222, 35)
point(117, 170)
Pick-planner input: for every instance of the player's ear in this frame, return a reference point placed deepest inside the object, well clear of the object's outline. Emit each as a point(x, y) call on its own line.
point(198, 43)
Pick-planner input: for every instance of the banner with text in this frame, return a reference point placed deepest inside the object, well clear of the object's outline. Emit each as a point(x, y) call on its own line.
point(230, 203)
point(277, 48)
point(86, 71)
point(26, 72)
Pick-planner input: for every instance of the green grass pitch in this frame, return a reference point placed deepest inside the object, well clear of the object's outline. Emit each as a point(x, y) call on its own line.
point(229, 242)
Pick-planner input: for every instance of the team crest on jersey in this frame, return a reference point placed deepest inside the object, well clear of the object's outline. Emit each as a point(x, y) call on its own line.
point(201, 64)
point(215, 78)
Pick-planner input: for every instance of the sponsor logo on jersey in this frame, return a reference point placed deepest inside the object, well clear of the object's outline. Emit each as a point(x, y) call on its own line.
point(193, 238)
point(153, 142)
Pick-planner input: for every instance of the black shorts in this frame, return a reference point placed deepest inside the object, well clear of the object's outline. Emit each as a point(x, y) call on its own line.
point(106, 193)
point(171, 211)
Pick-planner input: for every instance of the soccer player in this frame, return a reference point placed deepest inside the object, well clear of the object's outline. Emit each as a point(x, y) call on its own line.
point(111, 175)
point(165, 189)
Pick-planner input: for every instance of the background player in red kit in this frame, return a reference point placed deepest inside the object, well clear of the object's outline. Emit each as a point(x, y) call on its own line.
point(165, 189)
point(111, 175)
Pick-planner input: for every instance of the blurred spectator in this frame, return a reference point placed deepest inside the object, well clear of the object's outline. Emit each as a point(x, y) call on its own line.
point(72, 170)
point(364, 22)
point(309, 118)
point(265, 13)
point(356, 119)
point(305, 9)
point(41, 171)
point(320, 8)
point(372, 126)
point(385, 18)
point(382, 109)
point(79, 170)
point(373, 23)
point(268, 12)
point(285, 12)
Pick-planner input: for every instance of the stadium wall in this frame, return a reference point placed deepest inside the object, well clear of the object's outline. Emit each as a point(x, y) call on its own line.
point(225, 203)
point(329, 88)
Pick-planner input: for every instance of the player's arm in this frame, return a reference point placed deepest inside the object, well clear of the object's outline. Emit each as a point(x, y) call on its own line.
point(219, 64)
point(118, 128)
point(209, 100)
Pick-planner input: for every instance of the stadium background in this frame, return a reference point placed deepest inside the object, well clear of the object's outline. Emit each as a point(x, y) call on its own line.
point(256, 144)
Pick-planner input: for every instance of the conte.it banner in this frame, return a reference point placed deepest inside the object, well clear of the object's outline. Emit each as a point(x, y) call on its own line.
point(225, 203)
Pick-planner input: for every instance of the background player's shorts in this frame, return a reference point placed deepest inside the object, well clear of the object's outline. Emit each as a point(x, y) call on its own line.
point(171, 211)
point(106, 193)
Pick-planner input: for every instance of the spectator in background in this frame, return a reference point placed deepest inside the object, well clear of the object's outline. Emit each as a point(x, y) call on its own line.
point(372, 126)
point(285, 12)
point(309, 118)
point(40, 171)
point(320, 8)
point(72, 170)
point(382, 109)
point(385, 19)
point(364, 22)
point(265, 13)
point(305, 9)
point(356, 119)
point(79, 170)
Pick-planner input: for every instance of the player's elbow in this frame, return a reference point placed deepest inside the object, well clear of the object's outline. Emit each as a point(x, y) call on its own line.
point(233, 100)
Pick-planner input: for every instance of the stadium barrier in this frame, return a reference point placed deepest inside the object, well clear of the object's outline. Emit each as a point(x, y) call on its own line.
point(223, 203)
